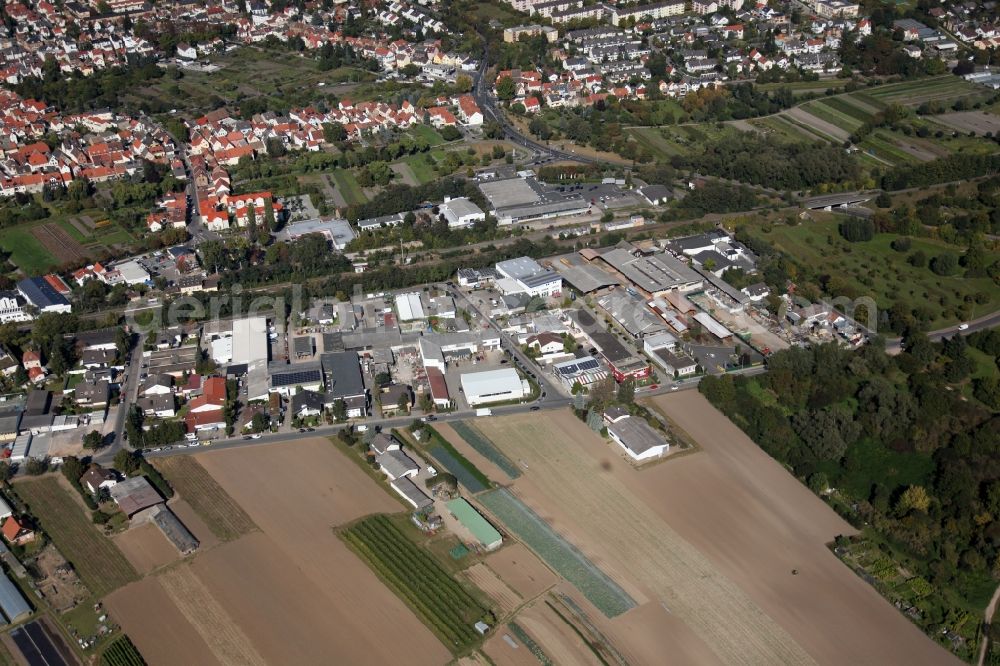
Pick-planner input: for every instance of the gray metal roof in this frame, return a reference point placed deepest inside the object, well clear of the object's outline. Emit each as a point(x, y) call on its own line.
point(343, 374)
point(636, 434)
point(12, 602)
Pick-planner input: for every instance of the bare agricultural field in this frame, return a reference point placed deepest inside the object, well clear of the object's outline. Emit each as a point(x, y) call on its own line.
point(288, 592)
point(146, 548)
point(191, 594)
point(521, 570)
point(221, 513)
point(157, 627)
point(489, 582)
point(297, 493)
point(755, 523)
point(567, 463)
point(817, 124)
point(979, 122)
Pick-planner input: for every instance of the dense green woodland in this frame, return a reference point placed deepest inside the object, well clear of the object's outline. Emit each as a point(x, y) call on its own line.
point(773, 163)
point(906, 452)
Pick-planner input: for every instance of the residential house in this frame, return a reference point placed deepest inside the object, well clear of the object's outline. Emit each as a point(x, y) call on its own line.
point(97, 477)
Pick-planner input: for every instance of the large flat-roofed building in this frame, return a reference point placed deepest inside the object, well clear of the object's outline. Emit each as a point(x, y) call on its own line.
point(251, 351)
point(523, 199)
point(289, 379)
point(623, 363)
point(43, 295)
point(336, 231)
point(631, 314)
point(525, 275)
point(483, 388)
point(410, 307)
point(176, 361)
point(344, 381)
point(656, 274)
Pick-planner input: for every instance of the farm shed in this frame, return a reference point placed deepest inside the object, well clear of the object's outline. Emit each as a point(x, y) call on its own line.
point(465, 513)
point(135, 494)
point(12, 602)
point(174, 530)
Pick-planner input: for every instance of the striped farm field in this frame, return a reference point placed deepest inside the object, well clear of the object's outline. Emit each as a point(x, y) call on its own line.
point(221, 513)
point(122, 652)
point(848, 106)
point(831, 115)
point(780, 127)
point(447, 608)
point(924, 90)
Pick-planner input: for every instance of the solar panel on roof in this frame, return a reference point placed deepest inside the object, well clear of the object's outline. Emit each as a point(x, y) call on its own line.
point(295, 377)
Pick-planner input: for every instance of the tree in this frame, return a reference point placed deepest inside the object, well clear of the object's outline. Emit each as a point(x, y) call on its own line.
point(93, 440)
point(403, 404)
point(73, 469)
point(506, 89)
point(602, 393)
point(883, 200)
point(857, 229)
point(426, 402)
point(126, 462)
point(944, 264)
point(626, 391)
point(5, 472)
point(914, 498)
point(339, 410)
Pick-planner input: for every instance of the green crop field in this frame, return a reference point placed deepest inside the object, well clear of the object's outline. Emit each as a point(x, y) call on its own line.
point(485, 447)
point(25, 251)
point(912, 93)
point(122, 652)
point(101, 566)
point(850, 106)
point(447, 608)
point(345, 182)
point(874, 269)
point(826, 112)
point(606, 595)
point(457, 465)
point(658, 144)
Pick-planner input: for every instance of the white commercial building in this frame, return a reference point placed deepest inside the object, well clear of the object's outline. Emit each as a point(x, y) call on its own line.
point(250, 348)
point(481, 388)
point(524, 275)
point(461, 212)
point(410, 307)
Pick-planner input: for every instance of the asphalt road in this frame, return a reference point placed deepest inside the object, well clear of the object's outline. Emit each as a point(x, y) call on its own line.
point(992, 320)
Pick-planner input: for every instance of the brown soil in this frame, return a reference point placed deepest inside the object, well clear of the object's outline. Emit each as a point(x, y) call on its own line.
point(487, 580)
point(146, 548)
point(156, 626)
point(577, 483)
point(191, 520)
point(756, 523)
point(297, 492)
point(521, 570)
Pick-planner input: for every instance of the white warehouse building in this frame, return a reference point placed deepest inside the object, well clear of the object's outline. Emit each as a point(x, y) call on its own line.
point(482, 388)
point(460, 212)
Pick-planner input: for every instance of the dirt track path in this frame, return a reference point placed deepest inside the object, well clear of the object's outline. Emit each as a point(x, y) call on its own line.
point(987, 619)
